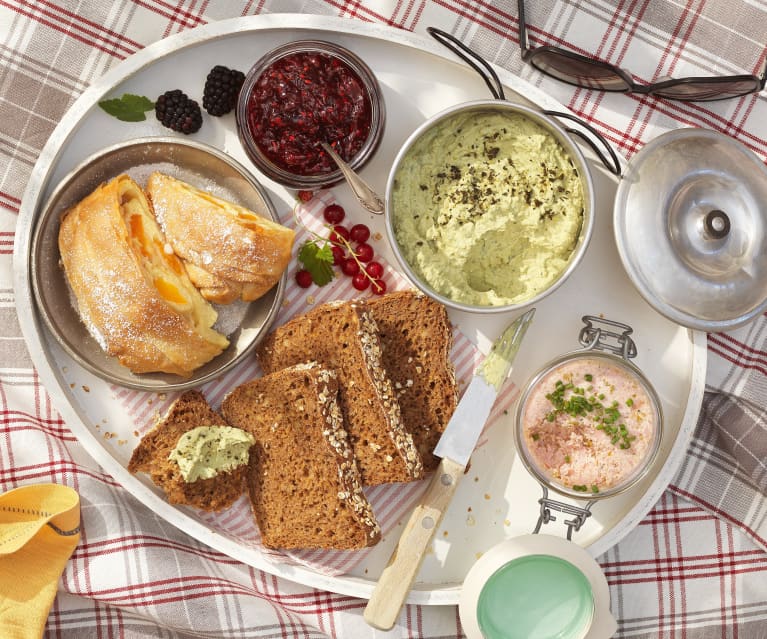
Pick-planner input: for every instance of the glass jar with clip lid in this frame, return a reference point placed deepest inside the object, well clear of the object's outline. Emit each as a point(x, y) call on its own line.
point(588, 423)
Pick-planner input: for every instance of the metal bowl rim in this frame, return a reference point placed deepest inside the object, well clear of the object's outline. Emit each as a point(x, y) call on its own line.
point(562, 136)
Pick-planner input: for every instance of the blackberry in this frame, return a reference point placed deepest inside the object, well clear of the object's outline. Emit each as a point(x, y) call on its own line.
point(221, 88)
point(177, 111)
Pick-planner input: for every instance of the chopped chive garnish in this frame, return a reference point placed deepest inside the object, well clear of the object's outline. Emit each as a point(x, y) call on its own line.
point(577, 404)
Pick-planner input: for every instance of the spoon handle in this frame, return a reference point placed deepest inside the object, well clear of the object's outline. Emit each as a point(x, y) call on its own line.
point(362, 190)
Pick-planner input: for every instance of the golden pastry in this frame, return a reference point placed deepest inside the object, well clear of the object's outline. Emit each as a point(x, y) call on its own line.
point(133, 293)
point(229, 251)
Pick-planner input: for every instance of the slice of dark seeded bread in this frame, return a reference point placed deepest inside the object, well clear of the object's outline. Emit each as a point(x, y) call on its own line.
point(343, 336)
point(303, 481)
point(190, 410)
point(416, 339)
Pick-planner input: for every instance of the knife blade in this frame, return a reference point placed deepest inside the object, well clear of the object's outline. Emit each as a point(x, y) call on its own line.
point(462, 432)
point(455, 447)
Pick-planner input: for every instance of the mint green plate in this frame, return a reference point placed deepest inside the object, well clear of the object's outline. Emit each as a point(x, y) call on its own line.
point(536, 597)
point(536, 586)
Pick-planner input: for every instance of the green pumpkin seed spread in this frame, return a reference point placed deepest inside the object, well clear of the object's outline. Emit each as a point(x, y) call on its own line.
point(205, 451)
point(487, 208)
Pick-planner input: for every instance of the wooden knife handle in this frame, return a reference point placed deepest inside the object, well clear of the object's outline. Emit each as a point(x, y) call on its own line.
point(396, 579)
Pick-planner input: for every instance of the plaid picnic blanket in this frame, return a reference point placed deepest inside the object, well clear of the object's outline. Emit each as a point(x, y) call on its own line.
point(695, 567)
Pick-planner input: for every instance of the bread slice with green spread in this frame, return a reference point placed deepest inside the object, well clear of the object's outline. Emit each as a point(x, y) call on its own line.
point(303, 479)
point(183, 449)
point(343, 336)
point(416, 339)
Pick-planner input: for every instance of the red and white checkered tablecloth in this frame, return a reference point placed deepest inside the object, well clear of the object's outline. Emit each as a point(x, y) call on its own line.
point(695, 567)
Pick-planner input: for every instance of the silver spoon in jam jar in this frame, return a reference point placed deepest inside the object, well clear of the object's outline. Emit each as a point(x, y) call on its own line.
point(361, 189)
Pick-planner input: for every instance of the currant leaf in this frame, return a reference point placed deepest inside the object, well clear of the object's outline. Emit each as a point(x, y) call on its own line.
point(318, 260)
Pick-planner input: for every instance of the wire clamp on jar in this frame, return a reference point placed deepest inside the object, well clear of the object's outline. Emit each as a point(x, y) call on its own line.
point(573, 525)
point(598, 338)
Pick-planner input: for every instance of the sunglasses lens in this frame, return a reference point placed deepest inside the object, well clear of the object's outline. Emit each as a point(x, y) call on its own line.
point(575, 69)
point(703, 90)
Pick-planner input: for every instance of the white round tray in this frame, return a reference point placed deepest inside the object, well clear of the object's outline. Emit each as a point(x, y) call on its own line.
point(419, 78)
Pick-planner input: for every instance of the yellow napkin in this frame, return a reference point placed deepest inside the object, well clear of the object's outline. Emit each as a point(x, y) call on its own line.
point(39, 529)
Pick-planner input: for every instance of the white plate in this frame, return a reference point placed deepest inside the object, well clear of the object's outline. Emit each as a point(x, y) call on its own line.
point(419, 78)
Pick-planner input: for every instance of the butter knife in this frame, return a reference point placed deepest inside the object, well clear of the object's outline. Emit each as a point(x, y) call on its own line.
point(455, 447)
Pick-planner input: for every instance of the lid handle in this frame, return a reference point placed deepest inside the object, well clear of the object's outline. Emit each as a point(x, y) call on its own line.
point(716, 224)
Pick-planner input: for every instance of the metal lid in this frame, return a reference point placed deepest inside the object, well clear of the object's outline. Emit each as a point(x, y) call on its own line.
point(690, 220)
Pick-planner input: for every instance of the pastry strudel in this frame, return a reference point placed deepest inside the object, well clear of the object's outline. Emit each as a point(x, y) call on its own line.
point(229, 251)
point(132, 292)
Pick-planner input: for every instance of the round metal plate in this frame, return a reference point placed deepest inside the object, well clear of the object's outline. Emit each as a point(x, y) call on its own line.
point(200, 165)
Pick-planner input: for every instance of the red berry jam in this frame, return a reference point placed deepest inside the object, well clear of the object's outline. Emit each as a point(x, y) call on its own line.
point(304, 99)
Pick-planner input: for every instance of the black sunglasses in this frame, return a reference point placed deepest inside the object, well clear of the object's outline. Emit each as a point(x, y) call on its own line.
point(591, 73)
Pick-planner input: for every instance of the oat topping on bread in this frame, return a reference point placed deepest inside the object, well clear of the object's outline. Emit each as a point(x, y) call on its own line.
point(416, 339)
point(343, 336)
point(302, 479)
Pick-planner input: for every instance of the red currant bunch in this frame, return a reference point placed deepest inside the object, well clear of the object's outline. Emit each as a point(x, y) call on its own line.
point(352, 253)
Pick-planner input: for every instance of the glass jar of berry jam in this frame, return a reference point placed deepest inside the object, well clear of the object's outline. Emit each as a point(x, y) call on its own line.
point(302, 94)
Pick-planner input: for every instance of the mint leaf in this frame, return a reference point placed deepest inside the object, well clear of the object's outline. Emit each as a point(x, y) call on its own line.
point(318, 260)
point(128, 108)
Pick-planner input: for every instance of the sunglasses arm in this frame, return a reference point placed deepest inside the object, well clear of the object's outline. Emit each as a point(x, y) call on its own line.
point(523, 47)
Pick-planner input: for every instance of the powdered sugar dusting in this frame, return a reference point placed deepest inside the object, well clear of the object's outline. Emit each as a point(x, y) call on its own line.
point(140, 173)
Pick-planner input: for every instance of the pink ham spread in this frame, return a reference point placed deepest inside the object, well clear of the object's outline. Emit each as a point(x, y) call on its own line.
point(589, 424)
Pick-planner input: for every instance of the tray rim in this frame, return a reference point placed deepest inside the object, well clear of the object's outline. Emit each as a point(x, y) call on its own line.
point(424, 594)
